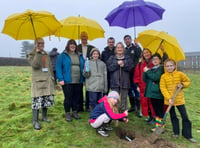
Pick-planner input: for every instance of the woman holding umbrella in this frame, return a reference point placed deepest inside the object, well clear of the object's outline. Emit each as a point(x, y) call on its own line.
point(42, 82)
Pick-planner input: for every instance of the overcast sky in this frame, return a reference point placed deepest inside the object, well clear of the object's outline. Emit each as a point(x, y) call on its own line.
point(181, 19)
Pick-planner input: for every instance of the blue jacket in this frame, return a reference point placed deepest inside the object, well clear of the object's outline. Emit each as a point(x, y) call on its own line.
point(63, 67)
point(104, 107)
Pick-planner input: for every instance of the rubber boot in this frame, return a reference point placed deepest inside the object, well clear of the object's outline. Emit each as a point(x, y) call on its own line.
point(36, 124)
point(156, 124)
point(44, 115)
point(132, 102)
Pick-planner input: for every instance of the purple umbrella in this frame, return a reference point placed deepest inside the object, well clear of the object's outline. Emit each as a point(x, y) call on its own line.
point(135, 13)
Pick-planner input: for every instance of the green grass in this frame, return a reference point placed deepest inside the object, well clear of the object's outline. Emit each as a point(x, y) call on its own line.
point(16, 118)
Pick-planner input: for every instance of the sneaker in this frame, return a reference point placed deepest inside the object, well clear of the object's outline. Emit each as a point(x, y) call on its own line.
point(102, 132)
point(192, 140)
point(152, 122)
point(175, 136)
point(75, 115)
point(139, 114)
point(68, 117)
point(107, 127)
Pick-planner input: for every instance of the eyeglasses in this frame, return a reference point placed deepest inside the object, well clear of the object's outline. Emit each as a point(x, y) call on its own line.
point(155, 58)
point(169, 65)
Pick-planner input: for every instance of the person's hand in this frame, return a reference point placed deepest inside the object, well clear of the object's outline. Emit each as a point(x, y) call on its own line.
point(171, 102)
point(121, 63)
point(138, 88)
point(62, 83)
point(126, 112)
point(180, 85)
point(146, 68)
point(136, 43)
point(125, 120)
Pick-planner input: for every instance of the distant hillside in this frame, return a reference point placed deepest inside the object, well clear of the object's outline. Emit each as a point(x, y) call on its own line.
point(8, 61)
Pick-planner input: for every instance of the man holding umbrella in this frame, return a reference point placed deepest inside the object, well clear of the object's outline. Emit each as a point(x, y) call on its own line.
point(134, 51)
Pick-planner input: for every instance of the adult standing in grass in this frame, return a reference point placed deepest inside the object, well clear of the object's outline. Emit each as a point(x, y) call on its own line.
point(42, 82)
point(69, 71)
point(108, 51)
point(119, 66)
point(85, 49)
point(134, 51)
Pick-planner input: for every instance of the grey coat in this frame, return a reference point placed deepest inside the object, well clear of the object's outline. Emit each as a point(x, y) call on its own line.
point(96, 78)
point(42, 82)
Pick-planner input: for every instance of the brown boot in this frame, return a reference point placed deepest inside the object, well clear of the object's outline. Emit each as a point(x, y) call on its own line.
point(75, 115)
point(68, 117)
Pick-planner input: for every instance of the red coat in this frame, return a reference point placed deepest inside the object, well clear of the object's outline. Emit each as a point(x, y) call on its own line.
point(138, 78)
point(138, 74)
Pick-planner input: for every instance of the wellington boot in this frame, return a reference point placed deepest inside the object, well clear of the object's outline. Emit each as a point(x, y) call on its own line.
point(36, 124)
point(44, 115)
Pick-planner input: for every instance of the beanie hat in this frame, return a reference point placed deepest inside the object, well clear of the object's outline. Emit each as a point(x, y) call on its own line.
point(113, 94)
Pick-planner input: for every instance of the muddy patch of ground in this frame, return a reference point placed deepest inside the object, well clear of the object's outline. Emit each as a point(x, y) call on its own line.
point(135, 140)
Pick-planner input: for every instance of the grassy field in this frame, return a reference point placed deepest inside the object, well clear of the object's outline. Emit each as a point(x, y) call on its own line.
point(16, 118)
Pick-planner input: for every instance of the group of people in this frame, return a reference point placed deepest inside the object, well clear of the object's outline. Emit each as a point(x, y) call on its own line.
point(109, 78)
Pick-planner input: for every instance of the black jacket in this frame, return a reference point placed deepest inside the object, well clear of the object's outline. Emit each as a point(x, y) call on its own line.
point(114, 70)
point(134, 53)
point(107, 53)
point(89, 48)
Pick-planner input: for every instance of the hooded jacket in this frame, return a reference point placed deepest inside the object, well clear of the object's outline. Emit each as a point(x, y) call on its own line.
point(168, 83)
point(104, 107)
point(96, 78)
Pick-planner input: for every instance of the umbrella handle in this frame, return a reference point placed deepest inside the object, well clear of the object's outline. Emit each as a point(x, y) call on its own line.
point(159, 45)
point(33, 26)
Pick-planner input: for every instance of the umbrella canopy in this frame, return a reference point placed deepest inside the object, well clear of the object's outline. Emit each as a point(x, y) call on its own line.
point(153, 39)
point(30, 25)
point(73, 26)
point(135, 13)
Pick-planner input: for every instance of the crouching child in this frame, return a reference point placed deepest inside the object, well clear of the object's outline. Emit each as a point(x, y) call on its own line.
point(105, 112)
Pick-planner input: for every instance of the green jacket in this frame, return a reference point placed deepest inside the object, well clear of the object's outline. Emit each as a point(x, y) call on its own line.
point(42, 82)
point(152, 80)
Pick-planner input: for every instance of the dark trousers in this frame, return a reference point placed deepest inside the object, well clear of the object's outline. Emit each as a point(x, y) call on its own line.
point(55, 79)
point(72, 95)
point(186, 124)
point(80, 101)
point(158, 106)
point(87, 101)
point(94, 98)
point(134, 96)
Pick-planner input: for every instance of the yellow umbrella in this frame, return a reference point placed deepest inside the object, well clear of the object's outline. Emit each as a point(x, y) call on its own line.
point(152, 40)
point(30, 25)
point(73, 26)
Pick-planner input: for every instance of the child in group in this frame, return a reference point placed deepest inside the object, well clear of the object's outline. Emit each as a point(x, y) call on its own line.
point(169, 81)
point(151, 76)
point(105, 111)
point(95, 72)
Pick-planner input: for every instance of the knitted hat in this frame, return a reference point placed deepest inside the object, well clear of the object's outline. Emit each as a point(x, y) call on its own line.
point(113, 94)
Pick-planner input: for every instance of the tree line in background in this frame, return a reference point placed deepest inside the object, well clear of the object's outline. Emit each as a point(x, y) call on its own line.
point(26, 48)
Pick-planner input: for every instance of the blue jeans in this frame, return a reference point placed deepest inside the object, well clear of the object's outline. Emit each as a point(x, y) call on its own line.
point(94, 98)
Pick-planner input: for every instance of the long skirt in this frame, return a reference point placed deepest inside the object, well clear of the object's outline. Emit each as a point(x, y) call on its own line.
point(42, 102)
